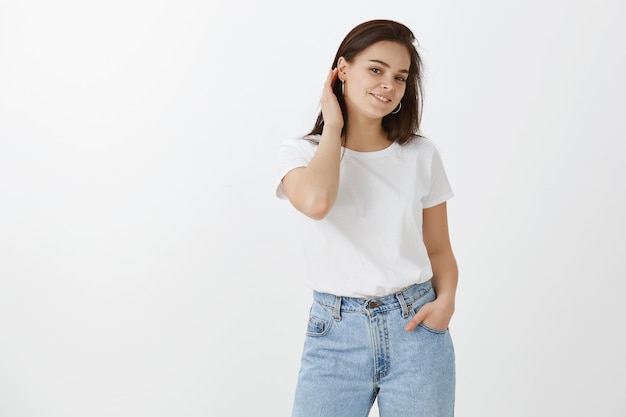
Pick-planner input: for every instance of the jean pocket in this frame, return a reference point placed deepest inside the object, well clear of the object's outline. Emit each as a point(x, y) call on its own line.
point(419, 302)
point(320, 321)
point(428, 297)
point(431, 330)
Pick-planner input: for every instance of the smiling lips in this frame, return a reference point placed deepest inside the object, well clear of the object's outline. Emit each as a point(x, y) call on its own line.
point(381, 98)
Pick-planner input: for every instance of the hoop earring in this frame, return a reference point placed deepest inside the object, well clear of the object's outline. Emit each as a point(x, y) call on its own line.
point(397, 110)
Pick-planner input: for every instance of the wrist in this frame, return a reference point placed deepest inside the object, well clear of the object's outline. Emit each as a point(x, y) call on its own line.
point(447, 298)
point(332, 129)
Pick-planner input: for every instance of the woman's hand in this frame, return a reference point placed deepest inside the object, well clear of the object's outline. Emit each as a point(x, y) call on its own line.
point(329, 103)
point(436, 315)
point(313, 189)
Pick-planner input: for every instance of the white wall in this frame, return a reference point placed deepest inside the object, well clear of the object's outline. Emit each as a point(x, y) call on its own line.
point(146, 268)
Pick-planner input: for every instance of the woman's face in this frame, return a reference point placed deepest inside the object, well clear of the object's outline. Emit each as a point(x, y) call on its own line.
point(375, 80)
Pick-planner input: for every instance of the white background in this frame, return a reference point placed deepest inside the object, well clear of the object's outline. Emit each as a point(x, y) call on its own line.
point(146, 268)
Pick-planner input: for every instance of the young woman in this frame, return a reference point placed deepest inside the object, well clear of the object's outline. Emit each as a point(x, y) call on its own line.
point(373, 195)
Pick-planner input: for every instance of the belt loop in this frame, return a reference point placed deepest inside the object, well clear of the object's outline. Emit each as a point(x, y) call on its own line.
point(337, 309)
point(402, 301)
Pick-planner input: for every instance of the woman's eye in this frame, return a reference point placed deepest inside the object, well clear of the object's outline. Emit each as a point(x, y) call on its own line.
point(375, 70)
point(401, 79)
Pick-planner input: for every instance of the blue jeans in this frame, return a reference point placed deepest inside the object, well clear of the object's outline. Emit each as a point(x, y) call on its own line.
point(357, 350)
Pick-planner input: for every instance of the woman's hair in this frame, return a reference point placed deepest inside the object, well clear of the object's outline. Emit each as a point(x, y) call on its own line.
point(403, 126)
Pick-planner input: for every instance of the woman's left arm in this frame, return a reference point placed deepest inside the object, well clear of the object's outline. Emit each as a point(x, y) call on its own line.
point(438, 313)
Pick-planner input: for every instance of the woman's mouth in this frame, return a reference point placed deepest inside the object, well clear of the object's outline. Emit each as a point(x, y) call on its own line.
point(380, 98)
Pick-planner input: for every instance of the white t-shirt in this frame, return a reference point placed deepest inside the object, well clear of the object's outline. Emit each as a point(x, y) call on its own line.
point(370, 243)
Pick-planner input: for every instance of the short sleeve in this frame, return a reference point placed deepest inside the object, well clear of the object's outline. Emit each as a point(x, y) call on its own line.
point(291, 154)
point(440, 189)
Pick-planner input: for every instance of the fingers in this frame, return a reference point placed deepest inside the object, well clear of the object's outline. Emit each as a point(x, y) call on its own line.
point(416, 320)
point(332, 76)
point(434, 315)
point(330, 80)
point(331, 111)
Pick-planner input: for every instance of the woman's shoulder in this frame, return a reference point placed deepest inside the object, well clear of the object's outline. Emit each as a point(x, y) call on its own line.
point(301, 142)
point(420, 144)
point(304, 146)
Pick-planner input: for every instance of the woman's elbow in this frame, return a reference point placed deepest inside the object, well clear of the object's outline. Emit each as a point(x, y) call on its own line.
point(316, 209)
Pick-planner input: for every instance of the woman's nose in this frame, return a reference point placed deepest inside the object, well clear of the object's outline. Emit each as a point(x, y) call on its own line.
point(387, 84)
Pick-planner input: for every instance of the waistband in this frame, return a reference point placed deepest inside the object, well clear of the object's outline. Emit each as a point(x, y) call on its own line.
point(400, 300)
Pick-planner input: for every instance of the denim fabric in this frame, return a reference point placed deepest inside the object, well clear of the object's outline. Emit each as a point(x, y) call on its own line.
point(357, 350)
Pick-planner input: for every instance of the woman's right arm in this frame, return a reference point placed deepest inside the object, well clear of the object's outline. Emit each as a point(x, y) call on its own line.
point(313, 189)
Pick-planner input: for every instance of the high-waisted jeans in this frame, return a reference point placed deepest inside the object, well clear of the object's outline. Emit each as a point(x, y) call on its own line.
point(356, 351)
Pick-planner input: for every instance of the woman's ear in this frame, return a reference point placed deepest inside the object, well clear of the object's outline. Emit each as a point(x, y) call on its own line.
point(342, 65)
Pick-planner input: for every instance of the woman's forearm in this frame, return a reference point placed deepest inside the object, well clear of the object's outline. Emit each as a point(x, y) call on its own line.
point(445, 275)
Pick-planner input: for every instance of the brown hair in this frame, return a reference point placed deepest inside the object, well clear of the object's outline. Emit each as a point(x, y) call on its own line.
point(403, 126)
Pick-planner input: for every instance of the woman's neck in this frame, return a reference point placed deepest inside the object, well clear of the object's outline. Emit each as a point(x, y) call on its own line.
point(366, 136)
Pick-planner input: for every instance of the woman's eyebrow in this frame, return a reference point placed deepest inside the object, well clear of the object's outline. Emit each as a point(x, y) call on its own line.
point(384, 64)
